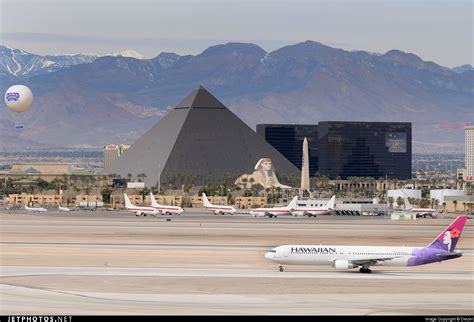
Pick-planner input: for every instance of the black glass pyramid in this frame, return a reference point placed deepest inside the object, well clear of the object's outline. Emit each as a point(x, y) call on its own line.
point(200, 138)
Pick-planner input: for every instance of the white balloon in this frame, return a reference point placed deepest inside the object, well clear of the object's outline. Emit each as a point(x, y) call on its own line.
point(19, 98)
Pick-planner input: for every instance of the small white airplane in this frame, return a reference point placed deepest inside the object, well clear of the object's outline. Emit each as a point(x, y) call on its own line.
point(63, 208)
point(275, 211)
point(419, 211)
point(314, 211)
point(218, 210)
point(165, 210)
point(347, 257)
point(35, 209)
point(139, 211)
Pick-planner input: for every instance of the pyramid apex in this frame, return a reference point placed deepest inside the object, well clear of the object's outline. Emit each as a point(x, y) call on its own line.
point(200, 98)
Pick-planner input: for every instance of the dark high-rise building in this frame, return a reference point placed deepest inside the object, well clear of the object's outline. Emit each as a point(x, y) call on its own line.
point(364, 149)
point(288, 140)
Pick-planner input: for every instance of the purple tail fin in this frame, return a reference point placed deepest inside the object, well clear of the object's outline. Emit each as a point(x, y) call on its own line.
point(448, 239)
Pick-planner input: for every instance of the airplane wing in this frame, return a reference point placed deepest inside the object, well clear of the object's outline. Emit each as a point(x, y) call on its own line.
point(371, 261)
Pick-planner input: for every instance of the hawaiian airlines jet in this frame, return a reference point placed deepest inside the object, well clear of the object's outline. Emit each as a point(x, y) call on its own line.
point(165, 210)
point(33, 209)
point(275, 211)
point(314, 211)
point(218, 210)
point(139, 211)
point(347, 257)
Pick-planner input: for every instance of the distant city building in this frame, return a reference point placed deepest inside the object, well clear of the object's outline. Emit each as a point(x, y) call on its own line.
point(22, 173)
point(459, 204)
point(469, 152)
point(365, 149)
point(461, 174)
point(288, 140)
point(112, 152)
point(346, 149)
point(441, 194)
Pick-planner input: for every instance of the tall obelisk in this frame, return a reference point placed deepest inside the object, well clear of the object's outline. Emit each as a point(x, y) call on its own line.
point(305, 167)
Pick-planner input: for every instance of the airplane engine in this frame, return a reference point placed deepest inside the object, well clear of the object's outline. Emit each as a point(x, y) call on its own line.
point(341, 265)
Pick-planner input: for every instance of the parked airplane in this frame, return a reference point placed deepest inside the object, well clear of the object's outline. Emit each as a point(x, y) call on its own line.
point(217, 209)
point(165, 210)
point(275, 211)
point(63, 208)
point(347, 257)
point(419, 211)
point(35, 209)
point(139, 211)
point(314, 211)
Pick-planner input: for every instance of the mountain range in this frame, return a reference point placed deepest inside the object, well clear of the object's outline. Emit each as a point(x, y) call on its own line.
point(88, 100)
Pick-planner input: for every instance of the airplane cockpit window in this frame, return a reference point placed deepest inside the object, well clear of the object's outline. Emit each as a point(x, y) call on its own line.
point(272, 251)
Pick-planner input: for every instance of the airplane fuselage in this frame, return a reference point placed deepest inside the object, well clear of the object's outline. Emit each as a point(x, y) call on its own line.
point(36, 209)
point(271, 212)
point(309, 211)
point(221, 210)
point(143, 210)
point(168, 210)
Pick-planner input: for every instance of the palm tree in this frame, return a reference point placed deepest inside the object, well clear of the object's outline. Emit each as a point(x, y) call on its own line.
point(390, 202)
point(455, 203)
point(129, 177)
point(400, 202)
point(444, 206)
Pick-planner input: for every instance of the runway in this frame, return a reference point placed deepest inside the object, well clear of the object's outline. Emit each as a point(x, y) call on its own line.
point(114, 263)
point(290, 272)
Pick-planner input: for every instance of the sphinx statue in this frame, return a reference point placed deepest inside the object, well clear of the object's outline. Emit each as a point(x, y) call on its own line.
point(264, 174)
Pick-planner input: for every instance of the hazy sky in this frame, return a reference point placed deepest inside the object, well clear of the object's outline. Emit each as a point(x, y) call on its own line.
point(440, 31)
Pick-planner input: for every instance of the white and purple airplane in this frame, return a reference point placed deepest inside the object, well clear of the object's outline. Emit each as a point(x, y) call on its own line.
point(347, 257)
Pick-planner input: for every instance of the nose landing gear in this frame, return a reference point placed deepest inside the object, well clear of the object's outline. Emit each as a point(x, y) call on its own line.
point(280, 268)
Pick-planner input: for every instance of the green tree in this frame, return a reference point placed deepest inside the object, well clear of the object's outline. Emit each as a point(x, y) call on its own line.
point(106, 195)
point(390, 202)
point(42, 184)
point(400, 202)
point(256, 188)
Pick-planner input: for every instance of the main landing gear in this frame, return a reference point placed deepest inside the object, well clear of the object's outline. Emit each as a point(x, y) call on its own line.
point(365, 270)
point(280, 268)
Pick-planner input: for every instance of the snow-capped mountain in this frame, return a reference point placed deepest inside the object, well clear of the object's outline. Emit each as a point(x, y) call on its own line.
point(117, 98)
point(128, 53)
point(19, 63)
